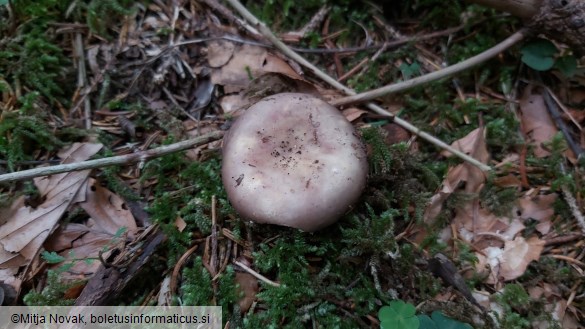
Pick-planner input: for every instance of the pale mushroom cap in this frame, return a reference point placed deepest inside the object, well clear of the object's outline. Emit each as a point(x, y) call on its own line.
point(293, 160)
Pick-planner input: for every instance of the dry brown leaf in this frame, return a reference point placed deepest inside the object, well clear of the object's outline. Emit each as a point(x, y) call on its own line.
point(353, 113)
point(26, 230)
point(24, 233)
point(247, 284)
point(510, 262)
point(472, 177)
point(518, 254)
point(231, 103)
point(472, 144)
point(219, 52)
point(483, 228)
point(246, 63)
point(537, 124)
point(81, 244)
point(107, 209)
point(539, 208)
point(180, 223)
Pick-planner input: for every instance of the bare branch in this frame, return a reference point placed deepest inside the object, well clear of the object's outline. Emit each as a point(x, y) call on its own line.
point(112, 161)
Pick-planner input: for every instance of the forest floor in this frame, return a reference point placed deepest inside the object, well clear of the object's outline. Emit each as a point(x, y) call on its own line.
point(435, 241)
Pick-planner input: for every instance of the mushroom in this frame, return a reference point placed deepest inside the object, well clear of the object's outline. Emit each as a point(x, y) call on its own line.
point(293, 160)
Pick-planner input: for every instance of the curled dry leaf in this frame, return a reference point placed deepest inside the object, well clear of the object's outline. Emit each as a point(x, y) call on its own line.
point(464, 174)
point(249, 62)
point(510, 262)
point(248, 285)
point(537, 124)
point(472, 144)
point(107, 209)
point(538, 208)
point(219, 52)
point(26, 230)
point(353, 113)
point(81, 241)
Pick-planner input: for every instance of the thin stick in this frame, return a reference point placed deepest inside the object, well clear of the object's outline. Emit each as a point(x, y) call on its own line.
point(434, 76)
point(296, 57)
point(256, 274)
point(82, 78)
point(574, 207)
point(112, 161)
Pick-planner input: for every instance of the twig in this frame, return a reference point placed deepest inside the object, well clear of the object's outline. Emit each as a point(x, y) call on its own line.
point(256, 274)
point(214, 235)
point(112, 161)
point(82, 79)
point(574, 208)
point(404, 124)
point(437, 75)
point(556, 116)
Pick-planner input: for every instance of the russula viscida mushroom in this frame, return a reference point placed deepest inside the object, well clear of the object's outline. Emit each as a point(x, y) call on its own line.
point(293, 160)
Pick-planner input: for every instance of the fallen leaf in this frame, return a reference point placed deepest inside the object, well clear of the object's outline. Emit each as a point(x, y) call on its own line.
point(465, 174)
point(537, 124)
point(26, 230)
point(538, 208)
point(472, 144)
point(518, 254)
point(180, 223)
point(80, 245)
point(247, 63)
point(219, 52)
point(353, 113)
point(24, 233)
point(107, 209)
point(510, 262)
point(248, 287)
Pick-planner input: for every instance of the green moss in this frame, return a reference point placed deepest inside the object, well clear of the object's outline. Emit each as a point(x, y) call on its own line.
point(498, 200)
point(52, 294)
point(25, 130)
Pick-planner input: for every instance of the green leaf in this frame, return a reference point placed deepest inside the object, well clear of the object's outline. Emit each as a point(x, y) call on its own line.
point(406, 309)
point(567, 65)
point(444, 322)
point(52, 257)
point(409, 71)
point(539, 54)
point(426, 322)
point(398, 315)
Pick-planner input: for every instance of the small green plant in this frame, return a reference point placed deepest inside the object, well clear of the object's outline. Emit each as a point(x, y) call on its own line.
point(439, 321)
point(398, 315)
point(513, 299)
point(23, 130)
point(543, 55)
point(52, 294)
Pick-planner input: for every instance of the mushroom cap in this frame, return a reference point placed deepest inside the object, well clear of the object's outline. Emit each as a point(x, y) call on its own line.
point(293, 160)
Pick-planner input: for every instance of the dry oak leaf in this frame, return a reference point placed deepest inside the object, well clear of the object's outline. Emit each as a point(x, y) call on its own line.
point(472, 177)
point(249, 61)
point(510, 262)
point(107, 209)
point(219, 52)
point(84, 241)
point(24, 233)
point(81, 241)
point(537, 124)
point(538, 208)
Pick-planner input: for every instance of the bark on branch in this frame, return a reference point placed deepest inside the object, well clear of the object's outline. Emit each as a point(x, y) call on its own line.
point(560, 20)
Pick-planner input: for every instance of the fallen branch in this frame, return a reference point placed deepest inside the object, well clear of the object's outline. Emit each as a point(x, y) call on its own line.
point(113, 161)
point(434, 76)
point(264, 30)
